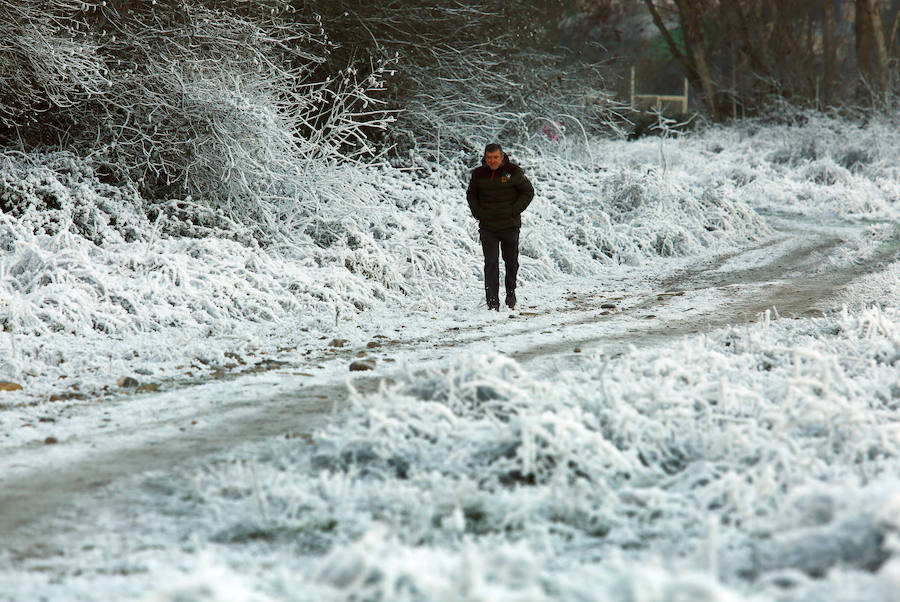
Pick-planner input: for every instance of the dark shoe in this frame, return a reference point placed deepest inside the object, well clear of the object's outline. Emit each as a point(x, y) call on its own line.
point(494, 304)
point(511, 300)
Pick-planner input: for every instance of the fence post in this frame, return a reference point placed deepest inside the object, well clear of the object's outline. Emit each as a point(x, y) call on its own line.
point(631, 98)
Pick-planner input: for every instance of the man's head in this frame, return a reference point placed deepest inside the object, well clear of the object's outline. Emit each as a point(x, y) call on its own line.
point(493, 155)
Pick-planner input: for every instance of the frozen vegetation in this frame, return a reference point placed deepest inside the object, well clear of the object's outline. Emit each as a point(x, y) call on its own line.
point(755, 461)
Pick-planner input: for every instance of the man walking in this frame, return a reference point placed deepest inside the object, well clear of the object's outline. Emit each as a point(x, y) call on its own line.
point(498, 193)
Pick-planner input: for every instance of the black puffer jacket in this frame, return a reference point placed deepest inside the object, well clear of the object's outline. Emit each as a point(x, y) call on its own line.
point(498, 197)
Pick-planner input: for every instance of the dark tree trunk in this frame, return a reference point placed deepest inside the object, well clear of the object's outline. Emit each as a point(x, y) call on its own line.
point(694, 62)
point(686, 66)
point(830, 50)
point(691, 11)
point(863, 37)
point(882, 68)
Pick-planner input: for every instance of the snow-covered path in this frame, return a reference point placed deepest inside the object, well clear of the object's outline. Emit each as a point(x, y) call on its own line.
point(798, 272)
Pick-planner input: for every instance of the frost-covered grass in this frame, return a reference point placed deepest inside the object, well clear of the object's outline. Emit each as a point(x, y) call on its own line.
point(765, 455)
point(749, 463)
point(817, 165)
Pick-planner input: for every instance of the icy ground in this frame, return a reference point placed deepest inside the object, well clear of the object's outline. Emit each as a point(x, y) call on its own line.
point(697, 398)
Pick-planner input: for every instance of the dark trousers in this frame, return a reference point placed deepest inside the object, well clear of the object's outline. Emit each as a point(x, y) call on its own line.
point(508, 243)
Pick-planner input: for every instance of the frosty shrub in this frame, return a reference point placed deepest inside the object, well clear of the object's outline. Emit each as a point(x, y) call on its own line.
point(186, 98)
point(241, 117)
point(44, 68)
point(813, 163)
point(56, 193)
point(611, 202)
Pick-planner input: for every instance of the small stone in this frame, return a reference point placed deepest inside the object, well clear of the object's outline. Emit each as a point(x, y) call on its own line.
point(230, 355)
point(649, 317)
point(8, 386)
point(338, 342)
point(127, 382)
point(362, 365)
point(148, 388)
point(51, 440)
point(578, 350)
point(66, 395)
point(608, 306)
point(373, 344)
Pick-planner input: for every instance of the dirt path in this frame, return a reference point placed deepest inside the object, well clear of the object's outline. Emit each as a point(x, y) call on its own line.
point(788, 276)
point(797, 282)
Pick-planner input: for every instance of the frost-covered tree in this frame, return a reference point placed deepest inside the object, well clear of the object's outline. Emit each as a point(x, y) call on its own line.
point(229, 101)
point(182, 97)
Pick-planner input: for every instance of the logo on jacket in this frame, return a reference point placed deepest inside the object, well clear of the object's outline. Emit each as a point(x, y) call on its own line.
point(504, 178)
